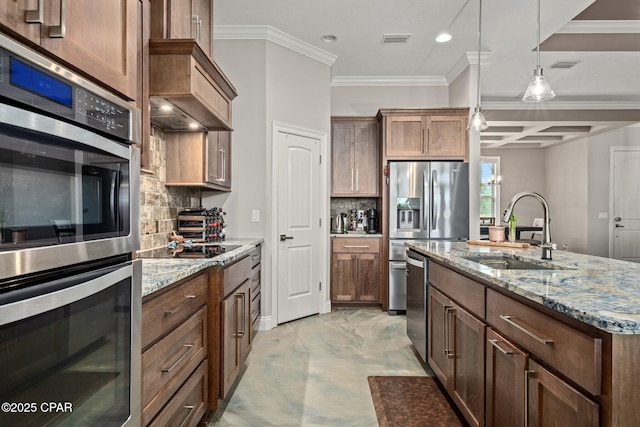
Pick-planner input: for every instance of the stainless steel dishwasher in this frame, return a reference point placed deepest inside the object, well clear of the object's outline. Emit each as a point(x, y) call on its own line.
point(417, 283)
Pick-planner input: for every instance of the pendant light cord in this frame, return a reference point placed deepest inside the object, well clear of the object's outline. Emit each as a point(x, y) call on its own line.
point(538, 46)
point(479, 47)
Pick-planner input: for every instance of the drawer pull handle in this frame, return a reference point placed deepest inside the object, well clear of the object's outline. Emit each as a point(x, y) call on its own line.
point(527, 375)
point(447, 351)
point(511, 320)
point(502, 350)
point(357, 246)
point(178, 308)
point(58, 31)
point(241, 332)
point(191, 409)
point(35, 16)
point(177, 362)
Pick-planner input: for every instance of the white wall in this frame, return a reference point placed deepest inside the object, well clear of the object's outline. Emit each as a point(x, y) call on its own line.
point(366, 101)
point(463, 90)
point(273, 84)
point(249, 140)
point(567, 190)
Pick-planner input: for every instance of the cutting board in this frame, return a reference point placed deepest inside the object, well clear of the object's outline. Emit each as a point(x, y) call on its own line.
point(501, 244)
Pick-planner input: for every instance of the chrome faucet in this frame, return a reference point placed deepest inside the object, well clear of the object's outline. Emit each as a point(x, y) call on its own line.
point(546, 244)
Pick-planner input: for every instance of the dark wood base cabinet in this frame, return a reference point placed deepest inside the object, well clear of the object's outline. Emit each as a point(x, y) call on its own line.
point(551, 401)
point(505, 390)
point(355, 271)
point(508, 362)
point(456, 354)
point(235, 298)
point(174, 352)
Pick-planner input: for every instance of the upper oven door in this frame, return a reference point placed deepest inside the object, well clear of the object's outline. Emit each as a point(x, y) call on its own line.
point(67, 194)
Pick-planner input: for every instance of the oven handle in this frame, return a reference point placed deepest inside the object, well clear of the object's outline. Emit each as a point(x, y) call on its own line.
point(61, 292)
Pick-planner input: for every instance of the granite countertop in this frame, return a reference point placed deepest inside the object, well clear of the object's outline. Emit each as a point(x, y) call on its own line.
point(158, 273)
point(601, 292)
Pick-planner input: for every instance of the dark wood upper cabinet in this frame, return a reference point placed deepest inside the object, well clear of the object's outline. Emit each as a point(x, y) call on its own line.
point(425, 134)
point(355, 158)
point(96, 38)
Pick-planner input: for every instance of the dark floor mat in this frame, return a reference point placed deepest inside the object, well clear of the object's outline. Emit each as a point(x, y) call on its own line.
point(411, 402)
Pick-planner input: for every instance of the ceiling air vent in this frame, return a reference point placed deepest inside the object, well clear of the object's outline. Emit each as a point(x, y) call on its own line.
point(563, 65)
point(395, 38)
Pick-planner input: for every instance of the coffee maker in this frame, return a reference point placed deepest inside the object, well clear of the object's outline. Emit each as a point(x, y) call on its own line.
point(372, 221)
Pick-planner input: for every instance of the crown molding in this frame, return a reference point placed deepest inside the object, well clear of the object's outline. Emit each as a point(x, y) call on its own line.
point(469, 58)
point(389, 81)
point(600, 27)
point(271, 34)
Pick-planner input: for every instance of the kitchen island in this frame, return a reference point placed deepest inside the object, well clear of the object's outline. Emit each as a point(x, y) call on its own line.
point(563, 339)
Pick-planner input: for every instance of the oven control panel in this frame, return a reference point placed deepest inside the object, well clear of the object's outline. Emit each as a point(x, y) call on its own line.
point(33, 81)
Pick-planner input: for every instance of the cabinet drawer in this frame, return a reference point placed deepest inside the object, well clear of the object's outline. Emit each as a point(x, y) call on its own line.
point(187, 407)
point(255, 306)
point(255, 287)
point(256, 256)
point(162, 313)
point(356, 245)
point(464, 291)
point(236, 274)
point(168, 363)
point(572, 352)
point(255, 272)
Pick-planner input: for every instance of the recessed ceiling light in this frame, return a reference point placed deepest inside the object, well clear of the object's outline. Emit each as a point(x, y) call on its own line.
point(329, 38)
point(166, 107)
point(193, 125)
point(443, 37)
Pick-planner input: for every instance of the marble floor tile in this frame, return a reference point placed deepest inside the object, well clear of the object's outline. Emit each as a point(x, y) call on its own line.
point(313, 371)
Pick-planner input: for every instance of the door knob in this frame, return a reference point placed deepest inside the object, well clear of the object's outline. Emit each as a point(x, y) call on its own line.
point(284, 237)
point(619, 226)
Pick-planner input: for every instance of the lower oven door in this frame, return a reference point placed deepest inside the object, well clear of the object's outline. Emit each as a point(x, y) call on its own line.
point(70, 350)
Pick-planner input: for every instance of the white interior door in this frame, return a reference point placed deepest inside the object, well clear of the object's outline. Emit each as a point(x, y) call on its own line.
point(625, 233)
point(299, 232)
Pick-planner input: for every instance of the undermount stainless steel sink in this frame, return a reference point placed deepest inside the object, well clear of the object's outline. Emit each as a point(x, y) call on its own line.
point(506, 262)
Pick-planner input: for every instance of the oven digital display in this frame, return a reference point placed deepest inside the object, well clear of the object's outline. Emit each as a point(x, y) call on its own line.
point(35, 81)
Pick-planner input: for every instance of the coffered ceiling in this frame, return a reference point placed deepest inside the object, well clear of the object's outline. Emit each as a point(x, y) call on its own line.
point(590, 53)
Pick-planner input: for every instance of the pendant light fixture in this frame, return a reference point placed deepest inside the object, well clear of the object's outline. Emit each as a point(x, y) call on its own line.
point(539, 89)
point(477, 121)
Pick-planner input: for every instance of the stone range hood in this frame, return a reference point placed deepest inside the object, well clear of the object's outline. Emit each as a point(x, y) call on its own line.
point(183, 76)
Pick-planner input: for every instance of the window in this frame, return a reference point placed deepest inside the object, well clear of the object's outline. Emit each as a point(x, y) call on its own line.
point(489, 193)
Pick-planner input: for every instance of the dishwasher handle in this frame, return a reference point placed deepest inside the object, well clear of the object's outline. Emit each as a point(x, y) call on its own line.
point(415, 262)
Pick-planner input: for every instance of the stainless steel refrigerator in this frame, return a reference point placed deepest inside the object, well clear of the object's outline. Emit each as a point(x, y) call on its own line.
point(427, 200)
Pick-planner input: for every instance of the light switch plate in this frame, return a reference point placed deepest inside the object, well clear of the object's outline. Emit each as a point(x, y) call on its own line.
point(603, 215)
point(255, 215)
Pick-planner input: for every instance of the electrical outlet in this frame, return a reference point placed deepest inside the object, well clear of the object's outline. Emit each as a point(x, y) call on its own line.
point(255, 215)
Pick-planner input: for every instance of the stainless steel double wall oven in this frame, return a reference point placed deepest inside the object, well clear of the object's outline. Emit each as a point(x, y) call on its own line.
point(70, 293)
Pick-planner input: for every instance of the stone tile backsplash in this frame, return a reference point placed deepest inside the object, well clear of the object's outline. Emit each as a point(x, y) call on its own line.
point(344, 204)
point(159, 204)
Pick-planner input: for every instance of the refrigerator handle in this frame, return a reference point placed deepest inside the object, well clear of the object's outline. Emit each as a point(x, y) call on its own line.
point(434, 184)
point(426, 208)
